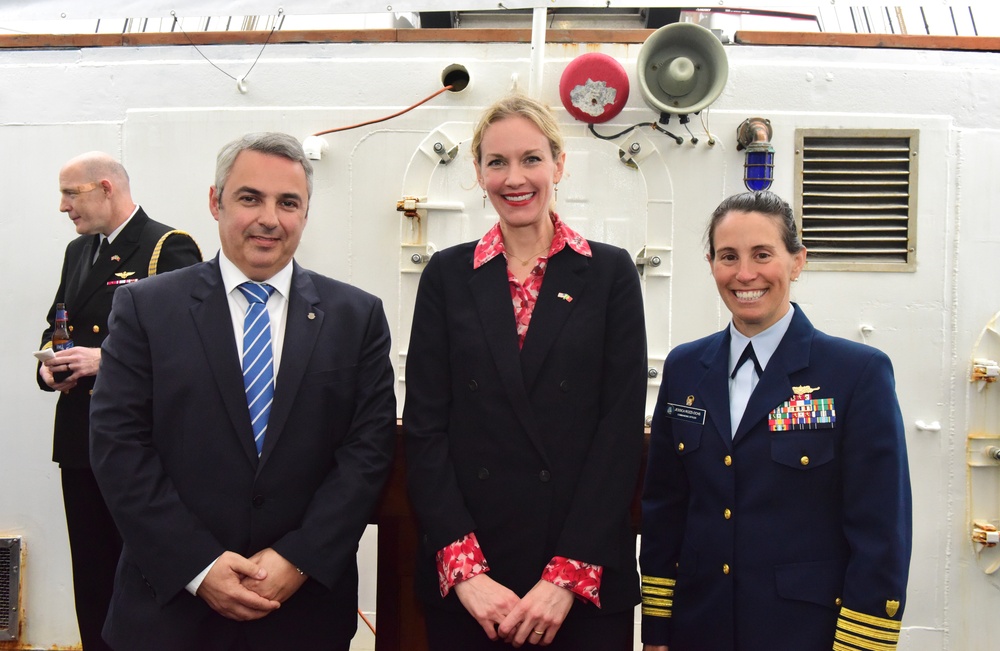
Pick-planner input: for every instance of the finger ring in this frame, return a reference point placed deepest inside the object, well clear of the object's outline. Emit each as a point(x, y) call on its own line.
point(539, 632)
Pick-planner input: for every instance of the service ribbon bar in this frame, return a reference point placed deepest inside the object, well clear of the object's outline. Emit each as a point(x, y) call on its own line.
point(803, 412)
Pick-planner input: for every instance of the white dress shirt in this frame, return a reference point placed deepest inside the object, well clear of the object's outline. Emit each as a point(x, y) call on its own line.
point(277, 311)
point(765, 343)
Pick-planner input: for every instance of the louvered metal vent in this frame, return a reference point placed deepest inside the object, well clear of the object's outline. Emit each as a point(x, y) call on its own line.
point(856, 200)
point(10, 565)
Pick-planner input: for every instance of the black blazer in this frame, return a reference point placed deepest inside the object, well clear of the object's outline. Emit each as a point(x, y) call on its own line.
point(537, 450)
point(776, 539)
point(172, 449)
point(143, 248)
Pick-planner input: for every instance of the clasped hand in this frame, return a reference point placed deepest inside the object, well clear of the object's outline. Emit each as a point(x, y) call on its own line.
point(245, 589)
point(535, 619)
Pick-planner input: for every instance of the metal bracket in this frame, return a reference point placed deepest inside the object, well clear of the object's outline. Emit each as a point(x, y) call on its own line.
point(985, 533)
point(653, 260)
point(984, 371)
point(413, 257)
point(410, 205)
point(635, 148)
point(440, 147)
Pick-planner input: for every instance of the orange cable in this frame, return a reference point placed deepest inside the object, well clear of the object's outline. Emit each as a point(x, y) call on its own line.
point(359, 610)
point(388, 117)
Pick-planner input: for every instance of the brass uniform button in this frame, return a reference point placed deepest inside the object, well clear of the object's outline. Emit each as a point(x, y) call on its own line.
point(97, 329)
point(728, 460)
point(680, 447)
point(725, 568)
point(837, 601)
point(71, 328)
point(727, 514)
point(804, 461)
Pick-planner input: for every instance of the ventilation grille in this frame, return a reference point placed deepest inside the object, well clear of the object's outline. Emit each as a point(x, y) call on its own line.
point(10, 562)
point(856, 200)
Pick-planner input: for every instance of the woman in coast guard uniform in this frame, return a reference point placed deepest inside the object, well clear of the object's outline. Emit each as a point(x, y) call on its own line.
point(776, 513)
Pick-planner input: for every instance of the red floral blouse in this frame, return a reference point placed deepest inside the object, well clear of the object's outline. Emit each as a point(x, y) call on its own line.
point(464, 559)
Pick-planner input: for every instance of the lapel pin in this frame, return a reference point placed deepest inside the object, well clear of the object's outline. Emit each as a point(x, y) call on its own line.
point(311, 316)
point(564, 296)
point(116, 258)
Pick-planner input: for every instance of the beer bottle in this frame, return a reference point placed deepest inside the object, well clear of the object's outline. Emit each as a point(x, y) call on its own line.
point(61, 339)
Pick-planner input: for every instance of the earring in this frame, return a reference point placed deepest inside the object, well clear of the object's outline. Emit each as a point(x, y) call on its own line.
point(555, 199)
point(484, 198)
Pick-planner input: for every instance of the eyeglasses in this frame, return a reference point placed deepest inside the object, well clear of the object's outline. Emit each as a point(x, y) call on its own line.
point(75, 191)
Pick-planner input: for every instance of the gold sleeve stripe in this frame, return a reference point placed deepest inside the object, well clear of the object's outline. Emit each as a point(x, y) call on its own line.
point(871, 620)
point(655, 580)
point(656, 612)
point(48, 344)
point(155, 258)
point(878, 634)
point(853, 642)
point(662, 603)
point(659, 592)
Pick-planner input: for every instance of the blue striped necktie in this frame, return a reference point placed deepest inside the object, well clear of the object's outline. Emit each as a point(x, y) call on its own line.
point(258, 358)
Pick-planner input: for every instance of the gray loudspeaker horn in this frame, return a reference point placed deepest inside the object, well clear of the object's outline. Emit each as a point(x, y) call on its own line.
point(682, 68)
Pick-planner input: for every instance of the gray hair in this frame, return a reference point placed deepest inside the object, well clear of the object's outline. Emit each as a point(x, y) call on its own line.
point(763, 202)
point(272, 143)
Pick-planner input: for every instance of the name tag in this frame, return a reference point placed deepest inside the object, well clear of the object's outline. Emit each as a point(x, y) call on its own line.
point(689, 414)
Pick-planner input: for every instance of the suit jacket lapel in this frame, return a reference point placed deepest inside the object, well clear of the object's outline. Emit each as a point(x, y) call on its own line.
point(491, 291)
point(126, 244)
point(713, 389)
point(775, 386)
point(212, 318)
point(302, 327)
point(566, 275)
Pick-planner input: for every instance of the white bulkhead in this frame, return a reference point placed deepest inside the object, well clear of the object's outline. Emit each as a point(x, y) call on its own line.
point(167, 109)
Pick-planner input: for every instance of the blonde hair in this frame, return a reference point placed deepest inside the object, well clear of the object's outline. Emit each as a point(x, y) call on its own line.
point(518, 105)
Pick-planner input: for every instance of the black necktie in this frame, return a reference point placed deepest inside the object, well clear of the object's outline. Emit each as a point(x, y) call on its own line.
point(748, 354)
point(100, 250)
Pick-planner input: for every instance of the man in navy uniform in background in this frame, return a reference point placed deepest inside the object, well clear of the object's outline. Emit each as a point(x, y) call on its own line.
point(118, 245)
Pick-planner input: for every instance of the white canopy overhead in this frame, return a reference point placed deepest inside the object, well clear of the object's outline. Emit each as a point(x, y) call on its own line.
point(75, 9)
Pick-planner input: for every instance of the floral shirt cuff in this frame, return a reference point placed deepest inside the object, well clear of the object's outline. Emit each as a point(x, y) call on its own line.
point(582, 579)
point(459, 561)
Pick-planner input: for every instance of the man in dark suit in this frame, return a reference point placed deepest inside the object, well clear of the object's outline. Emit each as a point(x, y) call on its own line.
point(96, 196)
point(240, 532)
